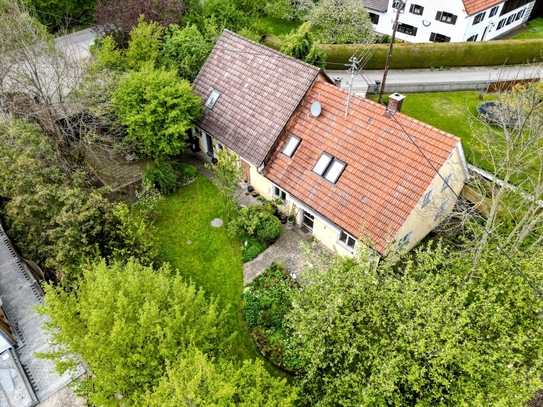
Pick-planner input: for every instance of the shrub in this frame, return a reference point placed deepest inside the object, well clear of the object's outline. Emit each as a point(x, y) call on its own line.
point(266, 302)
point(162, 175)
point(269, 229)
point(411, 56)
point(252, 250)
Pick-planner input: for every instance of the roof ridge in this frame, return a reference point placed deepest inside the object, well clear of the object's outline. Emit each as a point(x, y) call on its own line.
point(272, 50)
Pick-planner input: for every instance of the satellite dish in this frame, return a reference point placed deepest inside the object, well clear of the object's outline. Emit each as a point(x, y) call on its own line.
point(316, 109)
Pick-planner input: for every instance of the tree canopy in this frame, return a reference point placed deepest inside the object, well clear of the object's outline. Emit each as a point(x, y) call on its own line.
point(197, 380)
point(125, 321)
point(158, 108)
point(432, 331)
point(340, 21)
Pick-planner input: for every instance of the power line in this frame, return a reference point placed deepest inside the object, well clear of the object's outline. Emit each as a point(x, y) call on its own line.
point(487, 232)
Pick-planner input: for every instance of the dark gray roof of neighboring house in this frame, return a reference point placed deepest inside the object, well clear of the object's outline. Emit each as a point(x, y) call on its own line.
point(20, 293)
point(378, 5)
point(260, 88)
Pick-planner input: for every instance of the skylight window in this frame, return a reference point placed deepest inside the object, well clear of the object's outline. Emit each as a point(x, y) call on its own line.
point(212, 99)
point(322, 163)
point(329, 167)
point(291, 145)
point(335, 170)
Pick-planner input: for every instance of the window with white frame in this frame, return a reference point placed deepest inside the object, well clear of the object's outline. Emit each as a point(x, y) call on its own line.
point(347, 239)
point(445, 17)
point(479, 17)
point(404, 241)
point(447, 182)
point(212, 99)
point(441, 209)
point(501, 23)
point(473, 38)
point(493, 11)
point(416, 9)
point(291, 145)
point(279, 193)
point(329, 167)
point(427, 198)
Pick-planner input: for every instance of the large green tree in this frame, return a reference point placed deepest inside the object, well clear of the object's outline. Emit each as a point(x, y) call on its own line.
point(158, 108)
point(186, 50)
point(126, 321)
point(55, 216)
point(196, 380)
point(58, 14)
point(431, 331)
point(340, 21)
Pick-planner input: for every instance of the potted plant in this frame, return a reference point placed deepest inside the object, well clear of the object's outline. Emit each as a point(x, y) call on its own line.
point(291, 218)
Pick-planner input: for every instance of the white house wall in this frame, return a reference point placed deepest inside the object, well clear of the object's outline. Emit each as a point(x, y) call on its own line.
point(462, 30)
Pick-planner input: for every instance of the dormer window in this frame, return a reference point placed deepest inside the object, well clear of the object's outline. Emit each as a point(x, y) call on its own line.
point(212, 99)
point(292, 145)
point(329, 167)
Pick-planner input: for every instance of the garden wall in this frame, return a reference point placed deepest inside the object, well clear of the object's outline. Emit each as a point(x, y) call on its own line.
point(450, 54)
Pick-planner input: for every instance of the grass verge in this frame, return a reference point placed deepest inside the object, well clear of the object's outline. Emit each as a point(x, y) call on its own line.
point(450, 112)
point(534, 30)
point(211, 260)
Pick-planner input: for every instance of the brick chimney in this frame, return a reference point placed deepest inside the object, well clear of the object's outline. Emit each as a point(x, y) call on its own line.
point(395, 102)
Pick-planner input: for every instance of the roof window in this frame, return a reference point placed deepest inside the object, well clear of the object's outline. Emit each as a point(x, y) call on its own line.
point(329, 167)
point(212, 99)
point(292, 145)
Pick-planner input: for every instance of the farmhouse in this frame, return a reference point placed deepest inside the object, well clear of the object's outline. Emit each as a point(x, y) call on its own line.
point(346, 167)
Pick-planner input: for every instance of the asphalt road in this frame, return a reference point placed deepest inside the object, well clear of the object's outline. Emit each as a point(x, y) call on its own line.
point(81, 41)
point(457, 75)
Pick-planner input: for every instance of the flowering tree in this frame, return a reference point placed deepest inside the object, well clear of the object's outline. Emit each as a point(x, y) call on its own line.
point(340, 21)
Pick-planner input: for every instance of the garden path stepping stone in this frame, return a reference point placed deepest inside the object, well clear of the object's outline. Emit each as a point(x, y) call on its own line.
point(217, 222)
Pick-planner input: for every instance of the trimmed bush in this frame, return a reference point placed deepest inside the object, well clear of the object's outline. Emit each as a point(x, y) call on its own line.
point(450, 54)
point(269, 229)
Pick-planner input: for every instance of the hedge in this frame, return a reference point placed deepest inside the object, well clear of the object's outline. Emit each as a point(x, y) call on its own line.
point(450, 54)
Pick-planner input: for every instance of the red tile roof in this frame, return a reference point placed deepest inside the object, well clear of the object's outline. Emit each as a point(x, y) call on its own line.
point(260, 90)
point(476, 6)
point(383, 165)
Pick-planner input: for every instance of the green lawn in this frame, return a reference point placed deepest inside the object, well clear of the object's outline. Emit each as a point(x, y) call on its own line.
point(277, 26)
point(534, 30)
point(212, 260)
point(452, 112)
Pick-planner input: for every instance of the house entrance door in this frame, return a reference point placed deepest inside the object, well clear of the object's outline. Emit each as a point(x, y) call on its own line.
point(209, 145)
point(308, 220)
point(246, 171)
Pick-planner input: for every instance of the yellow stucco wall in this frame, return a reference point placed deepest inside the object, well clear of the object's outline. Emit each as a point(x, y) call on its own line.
point(421, 220)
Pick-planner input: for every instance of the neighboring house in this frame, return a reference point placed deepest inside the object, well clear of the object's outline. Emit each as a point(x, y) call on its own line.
point(452, 20)
point(25, 380)
point(348, 173)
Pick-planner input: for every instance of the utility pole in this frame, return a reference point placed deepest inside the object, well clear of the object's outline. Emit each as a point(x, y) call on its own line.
point(400, 4)
point(354, 68)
